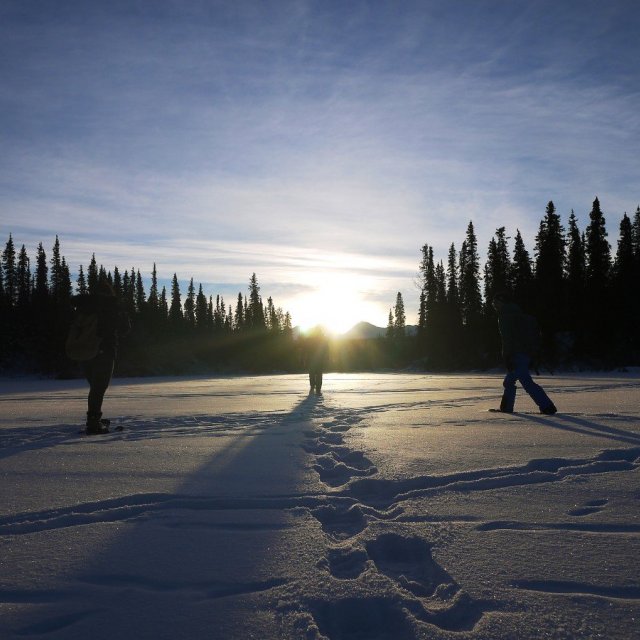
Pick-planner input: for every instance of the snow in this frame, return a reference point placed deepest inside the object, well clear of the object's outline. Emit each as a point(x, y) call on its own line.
point(391, 506)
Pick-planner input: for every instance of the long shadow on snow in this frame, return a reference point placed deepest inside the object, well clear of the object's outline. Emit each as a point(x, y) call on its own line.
point(167, 565)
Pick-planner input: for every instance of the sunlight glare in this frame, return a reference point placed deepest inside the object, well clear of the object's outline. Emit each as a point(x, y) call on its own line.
point(337, 305)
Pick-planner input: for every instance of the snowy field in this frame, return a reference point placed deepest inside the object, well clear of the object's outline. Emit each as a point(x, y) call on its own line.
point(391, 506)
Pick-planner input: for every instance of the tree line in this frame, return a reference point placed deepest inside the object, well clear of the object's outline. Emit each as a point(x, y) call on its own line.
point(585, 296)
point(169, 333)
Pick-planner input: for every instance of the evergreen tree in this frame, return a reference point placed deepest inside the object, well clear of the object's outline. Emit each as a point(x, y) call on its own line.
point(153, 291)
point(55, 274)
point(41, 286)
point(255, 318)
point(164, 305)
point(140, 296)
point(497, 270)
point(175, 310)
point(470, 297)
point(400, 318)
point(391, 327)
point(575, 274)
point(453, 295)
point(23, 279)
point(228, 327)
point(626, 305)
point(92, 275)
point(81, 282)
point(598, 260)
point(521, 272)
point(10, 273)
point(597, 250)
point(549, 279)
point(201, 310)
point(239, 315)
point(117, 282)
point(66, 290)
point(273, 323)
point(426, 275)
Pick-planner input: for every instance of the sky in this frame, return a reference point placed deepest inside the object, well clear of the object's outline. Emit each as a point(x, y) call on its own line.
point(318, 144)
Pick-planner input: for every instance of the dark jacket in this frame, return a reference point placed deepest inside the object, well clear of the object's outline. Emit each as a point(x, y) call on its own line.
point(316, 353)
point(111, 320)
point(518, 331)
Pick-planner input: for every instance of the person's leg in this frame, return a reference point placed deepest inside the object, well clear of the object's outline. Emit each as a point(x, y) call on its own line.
point(319, 381)
point(98, 372)
point(535, 391)
point(312, 380)
point(509, 394)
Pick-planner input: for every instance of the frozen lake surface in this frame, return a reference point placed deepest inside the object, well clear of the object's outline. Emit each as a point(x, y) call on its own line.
point(393, 506)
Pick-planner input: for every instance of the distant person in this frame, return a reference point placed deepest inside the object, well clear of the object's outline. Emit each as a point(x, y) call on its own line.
point(520, 337)
point(316, 356)
point(93, 341)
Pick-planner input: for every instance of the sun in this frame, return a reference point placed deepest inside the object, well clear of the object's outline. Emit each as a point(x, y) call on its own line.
point(337, 305)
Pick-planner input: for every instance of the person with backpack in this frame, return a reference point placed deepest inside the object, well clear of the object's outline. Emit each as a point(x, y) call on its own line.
point(93, 342)
point(520, 342)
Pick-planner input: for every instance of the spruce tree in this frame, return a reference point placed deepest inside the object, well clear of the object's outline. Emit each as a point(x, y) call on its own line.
point(117, 282)
point(255, 318)
point(153, 291)
point(140, 296)
point(400, 318)
point(470, 297)
point(164, 305)
point(41, 286)
point(498, 268)
point(201, 310)
point(598, 315)
point(391, 329)
point(575, 279)
point(453, 295)
point(550, 305)
point(521, 272)
point(625, 304)
point(239, 315)
point(175, 310)
point(81, 283)
point(10, 273)
point(23, 279)
point(92, 275)
point(66, 290)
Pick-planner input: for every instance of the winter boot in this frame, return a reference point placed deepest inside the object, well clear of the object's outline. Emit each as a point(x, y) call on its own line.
point(549, 410)
point(95, 425)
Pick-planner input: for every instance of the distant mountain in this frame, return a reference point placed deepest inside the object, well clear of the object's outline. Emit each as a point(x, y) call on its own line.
point(364, 331)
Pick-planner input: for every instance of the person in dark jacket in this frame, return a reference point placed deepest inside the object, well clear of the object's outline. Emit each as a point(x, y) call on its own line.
point(517, 346)
point(98, 370)
point(316, 356)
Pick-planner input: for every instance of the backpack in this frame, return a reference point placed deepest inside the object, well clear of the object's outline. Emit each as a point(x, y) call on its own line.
point(83, 341)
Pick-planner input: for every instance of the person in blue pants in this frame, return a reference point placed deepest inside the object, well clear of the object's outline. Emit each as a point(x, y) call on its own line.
point(518, 335)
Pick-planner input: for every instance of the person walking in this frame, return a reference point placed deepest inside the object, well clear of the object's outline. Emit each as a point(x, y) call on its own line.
point(93, 341)
point(520, 335)
point(316, 355)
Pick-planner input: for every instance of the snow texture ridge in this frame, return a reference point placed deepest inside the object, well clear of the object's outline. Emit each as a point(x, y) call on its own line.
point(388, 507)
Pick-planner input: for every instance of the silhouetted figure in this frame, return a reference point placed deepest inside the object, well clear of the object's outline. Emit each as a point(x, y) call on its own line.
point(520, 337)
point(93, 341)
point(316, 356)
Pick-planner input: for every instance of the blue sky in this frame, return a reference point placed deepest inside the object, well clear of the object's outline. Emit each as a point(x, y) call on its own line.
point(319, 144)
